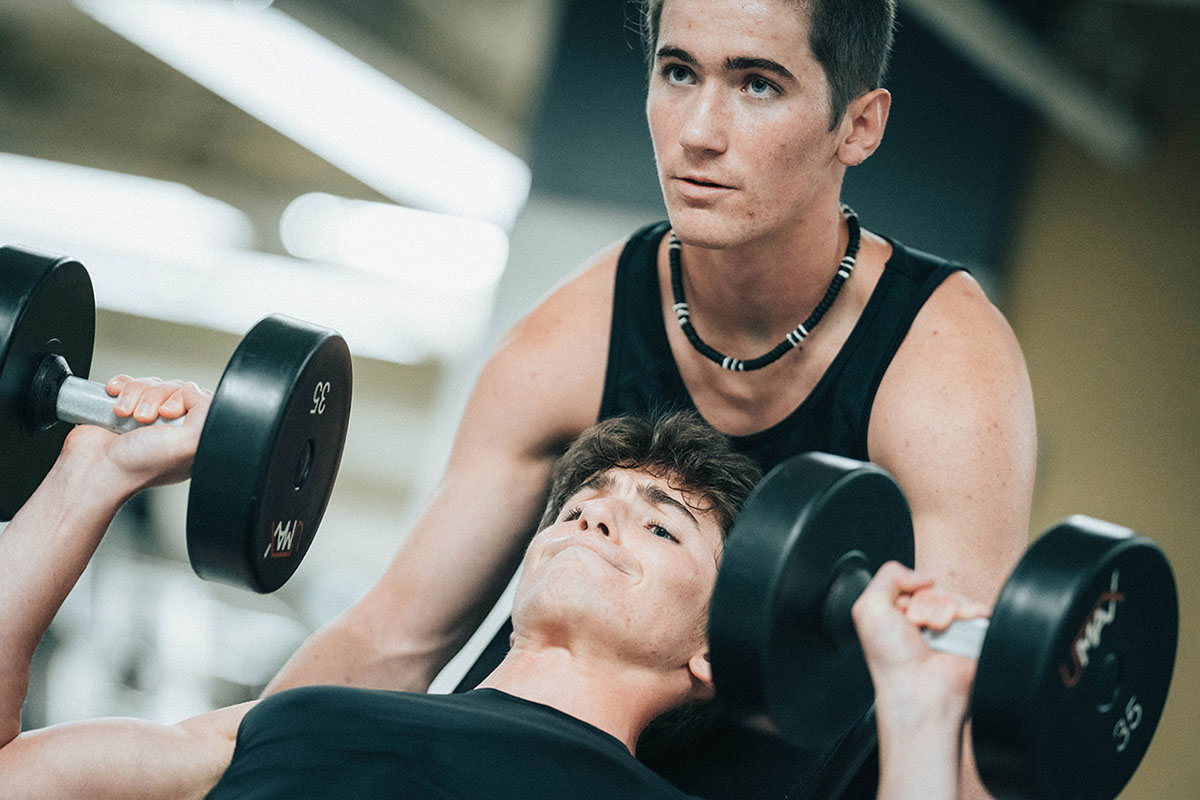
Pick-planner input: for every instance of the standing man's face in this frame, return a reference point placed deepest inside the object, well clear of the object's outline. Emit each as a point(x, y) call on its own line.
point(739, 115)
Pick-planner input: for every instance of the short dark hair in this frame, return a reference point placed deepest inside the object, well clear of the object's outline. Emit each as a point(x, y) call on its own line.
point(678, 447)
point(851, 40)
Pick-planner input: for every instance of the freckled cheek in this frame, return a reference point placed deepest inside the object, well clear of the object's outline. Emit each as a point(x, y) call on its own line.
point(784, 150)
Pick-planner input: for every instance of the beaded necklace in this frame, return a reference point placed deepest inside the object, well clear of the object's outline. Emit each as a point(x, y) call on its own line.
point(794, 338)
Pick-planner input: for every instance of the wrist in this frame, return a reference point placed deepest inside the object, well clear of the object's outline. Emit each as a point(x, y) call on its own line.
point(907, 705)
point(920, 742)
point(90, 479)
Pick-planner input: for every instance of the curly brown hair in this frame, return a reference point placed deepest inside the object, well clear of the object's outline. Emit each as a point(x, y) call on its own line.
point(679, 447)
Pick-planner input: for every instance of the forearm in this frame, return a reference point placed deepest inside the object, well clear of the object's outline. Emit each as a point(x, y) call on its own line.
point(440, 586)
point(919, 750)
point(43, 551)
point(921, 695)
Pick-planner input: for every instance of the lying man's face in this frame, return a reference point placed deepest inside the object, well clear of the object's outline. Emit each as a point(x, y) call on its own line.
point(627, 569)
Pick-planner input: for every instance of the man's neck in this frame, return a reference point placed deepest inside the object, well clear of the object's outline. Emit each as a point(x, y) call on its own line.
point(754, 289)
point(617, 698)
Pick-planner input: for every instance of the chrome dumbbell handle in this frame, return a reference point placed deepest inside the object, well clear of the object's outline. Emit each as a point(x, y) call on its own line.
point(84, 402)
point(962, 637)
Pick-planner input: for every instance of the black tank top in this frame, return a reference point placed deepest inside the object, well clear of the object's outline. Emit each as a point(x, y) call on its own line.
point(642, 376)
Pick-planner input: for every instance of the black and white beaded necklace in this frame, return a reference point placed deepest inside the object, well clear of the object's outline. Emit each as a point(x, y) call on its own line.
point(795, 337)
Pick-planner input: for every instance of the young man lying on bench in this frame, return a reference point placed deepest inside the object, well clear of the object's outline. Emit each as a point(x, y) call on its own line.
point(609, 633)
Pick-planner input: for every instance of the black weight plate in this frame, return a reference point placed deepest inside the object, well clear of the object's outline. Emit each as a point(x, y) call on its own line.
point(1074, 672)
point(46, 305)
point(771, 653)
point(269, 454)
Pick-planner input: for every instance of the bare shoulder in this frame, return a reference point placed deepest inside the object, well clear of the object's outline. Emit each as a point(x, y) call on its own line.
point(584, 297)
point(958, 374)
point(959, 339)
point(103, 758)
point(219, 726)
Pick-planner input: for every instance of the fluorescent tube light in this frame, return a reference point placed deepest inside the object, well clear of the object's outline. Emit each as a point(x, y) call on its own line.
point(50, 200)
point(423, 289)
point(332, 103)
point(419, 249)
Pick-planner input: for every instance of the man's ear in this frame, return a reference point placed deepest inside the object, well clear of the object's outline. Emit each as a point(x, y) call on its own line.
point(701, 669)
point(862, 126)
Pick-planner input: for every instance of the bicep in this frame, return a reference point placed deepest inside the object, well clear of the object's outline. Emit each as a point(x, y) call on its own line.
point(121, 758)
point(953, 422)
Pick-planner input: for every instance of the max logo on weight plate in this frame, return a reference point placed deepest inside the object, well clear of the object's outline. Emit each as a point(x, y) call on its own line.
point(285, 538)
point(1088, 637)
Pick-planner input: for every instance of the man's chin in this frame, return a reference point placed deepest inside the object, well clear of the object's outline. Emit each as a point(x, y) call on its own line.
point(705, 228)
point(572, 598)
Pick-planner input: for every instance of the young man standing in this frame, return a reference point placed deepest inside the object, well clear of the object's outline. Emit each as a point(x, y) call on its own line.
point(756, 109)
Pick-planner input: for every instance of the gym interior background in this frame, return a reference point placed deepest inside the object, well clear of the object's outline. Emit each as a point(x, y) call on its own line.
point(1052, 146)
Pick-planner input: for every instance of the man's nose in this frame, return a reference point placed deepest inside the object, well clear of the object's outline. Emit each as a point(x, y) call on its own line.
point(599, 515)
point(703, 129)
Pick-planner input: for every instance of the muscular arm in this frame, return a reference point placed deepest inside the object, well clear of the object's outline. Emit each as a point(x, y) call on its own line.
point(121, 758)
point(43, 551)
point(538, 391)
point(953, 422)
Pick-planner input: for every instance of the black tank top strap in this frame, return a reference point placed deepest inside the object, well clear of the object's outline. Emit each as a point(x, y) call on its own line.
point(641, 377)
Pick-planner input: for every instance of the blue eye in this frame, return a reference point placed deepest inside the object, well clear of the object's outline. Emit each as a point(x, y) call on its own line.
point(761, 87)
point(674, 73)
point(661, 532)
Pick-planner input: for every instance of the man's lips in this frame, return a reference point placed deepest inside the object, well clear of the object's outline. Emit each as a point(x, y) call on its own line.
point(599, 545)
point(704, 181)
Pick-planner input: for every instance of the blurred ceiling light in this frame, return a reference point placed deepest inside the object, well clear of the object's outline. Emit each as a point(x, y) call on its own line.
point(56, 202)
point(418, 249)
point(327, 100)
point(419, 286)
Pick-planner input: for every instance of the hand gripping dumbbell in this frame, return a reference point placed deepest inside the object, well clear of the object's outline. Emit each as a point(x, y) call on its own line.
point(1073, 666)
point(271, 444)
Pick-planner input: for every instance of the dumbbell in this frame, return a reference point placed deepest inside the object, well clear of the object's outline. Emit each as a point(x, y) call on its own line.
point(271, 444)
point(1073, 666)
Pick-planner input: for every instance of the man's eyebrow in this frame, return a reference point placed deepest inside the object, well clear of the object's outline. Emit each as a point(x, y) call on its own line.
point(742, 63)
point(677, 53)
point(657, 497)
point(600, 481)
point(732, 64)
point(603, 481)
